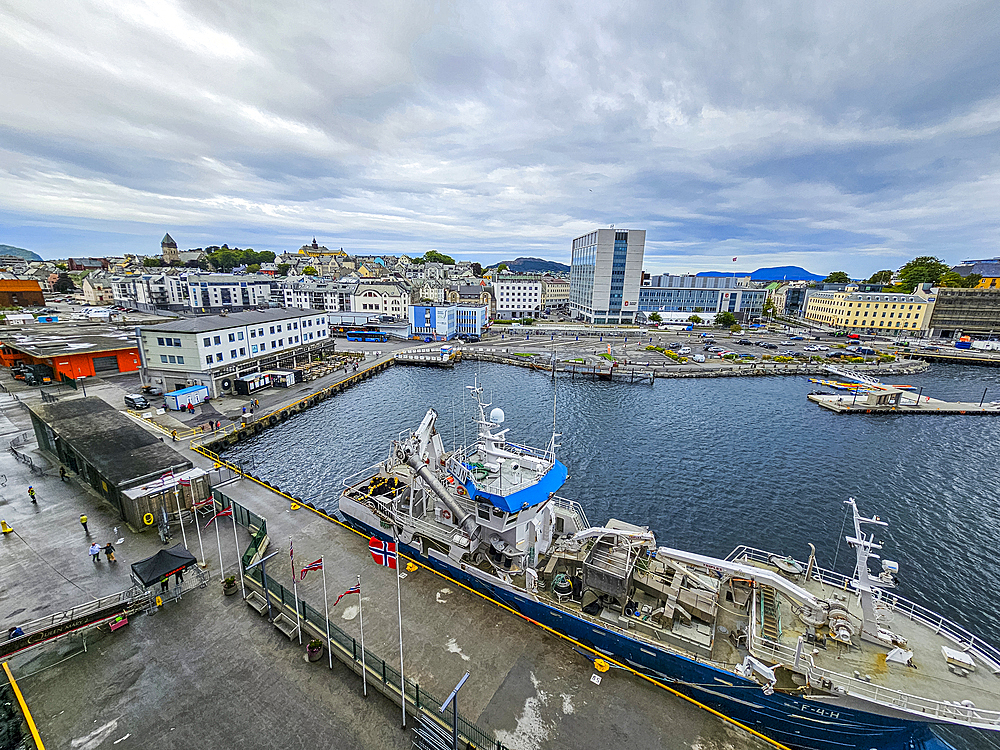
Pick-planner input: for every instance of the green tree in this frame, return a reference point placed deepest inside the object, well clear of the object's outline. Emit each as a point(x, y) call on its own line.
point(837, 277)
point(433, 256)
point(253, 268)
point(695, 319)
point(64, 284)
point(309, 271)
point(955, 279)
point(699, 309)
point(153, 262)
point(736, 328)
point(923, 270)
point(477, 269)
point(769, 308)
point(725, 319)
point(656, 317)
point(881, 277)
point(502, 267)
point(283, 269)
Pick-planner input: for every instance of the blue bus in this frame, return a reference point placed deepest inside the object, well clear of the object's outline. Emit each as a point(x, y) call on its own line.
point(378, 336)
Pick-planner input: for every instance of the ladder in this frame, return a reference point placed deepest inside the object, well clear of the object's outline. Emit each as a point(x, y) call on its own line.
point(770, 626)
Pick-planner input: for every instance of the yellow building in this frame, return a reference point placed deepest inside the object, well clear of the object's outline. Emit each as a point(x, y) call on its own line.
point(870, 311)
point(988, 282)
point(315, 250)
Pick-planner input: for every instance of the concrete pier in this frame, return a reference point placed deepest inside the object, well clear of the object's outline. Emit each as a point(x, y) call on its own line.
point(909, 403)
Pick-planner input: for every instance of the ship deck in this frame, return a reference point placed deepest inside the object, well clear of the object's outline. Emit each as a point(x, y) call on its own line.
point(864, 670)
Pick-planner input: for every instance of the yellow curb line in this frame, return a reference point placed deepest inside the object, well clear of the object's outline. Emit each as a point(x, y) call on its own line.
point(24, 708)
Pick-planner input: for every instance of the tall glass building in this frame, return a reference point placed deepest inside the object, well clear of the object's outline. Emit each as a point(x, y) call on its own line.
point(605, 275)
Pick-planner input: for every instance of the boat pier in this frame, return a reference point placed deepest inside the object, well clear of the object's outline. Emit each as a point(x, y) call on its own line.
point(895, 401)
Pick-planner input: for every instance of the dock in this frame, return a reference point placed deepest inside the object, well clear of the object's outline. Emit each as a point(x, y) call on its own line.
point(894, 401)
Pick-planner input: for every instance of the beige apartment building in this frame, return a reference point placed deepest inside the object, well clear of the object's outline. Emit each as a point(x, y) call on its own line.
point(875, 312)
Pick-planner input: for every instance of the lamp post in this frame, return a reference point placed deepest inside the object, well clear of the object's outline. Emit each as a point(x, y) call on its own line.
point(453, 700)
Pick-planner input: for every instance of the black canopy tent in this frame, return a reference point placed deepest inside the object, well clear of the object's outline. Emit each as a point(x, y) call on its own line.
point(166, 562)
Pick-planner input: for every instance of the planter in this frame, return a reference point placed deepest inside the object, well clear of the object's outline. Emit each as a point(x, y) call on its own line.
point(314, 654)
point(229, 588)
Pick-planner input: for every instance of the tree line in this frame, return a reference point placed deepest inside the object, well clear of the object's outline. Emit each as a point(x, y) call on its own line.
point(923, 270)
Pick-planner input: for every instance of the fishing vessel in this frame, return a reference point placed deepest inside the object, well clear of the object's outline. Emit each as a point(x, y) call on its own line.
point(805, 655)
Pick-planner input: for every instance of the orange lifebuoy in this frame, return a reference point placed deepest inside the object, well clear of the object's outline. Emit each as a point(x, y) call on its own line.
point(446, 515)
point(461, 491)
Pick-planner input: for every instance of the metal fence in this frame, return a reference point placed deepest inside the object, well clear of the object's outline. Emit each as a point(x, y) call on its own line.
point(345, 647)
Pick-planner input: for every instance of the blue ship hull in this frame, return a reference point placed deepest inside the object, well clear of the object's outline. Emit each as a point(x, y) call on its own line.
point(799, 724)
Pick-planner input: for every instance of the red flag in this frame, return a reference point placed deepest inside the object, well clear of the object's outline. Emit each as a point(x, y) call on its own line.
point(227, 512)
point(734, 260)
point(352, 590)
point(317, 565)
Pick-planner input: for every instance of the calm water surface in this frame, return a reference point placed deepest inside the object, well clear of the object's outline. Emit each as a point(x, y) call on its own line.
point(708, 464)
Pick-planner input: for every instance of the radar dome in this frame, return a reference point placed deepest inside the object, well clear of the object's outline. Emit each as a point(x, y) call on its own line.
point(497, 415)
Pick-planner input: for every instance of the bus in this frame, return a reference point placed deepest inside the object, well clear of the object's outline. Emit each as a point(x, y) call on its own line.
point(378, 336)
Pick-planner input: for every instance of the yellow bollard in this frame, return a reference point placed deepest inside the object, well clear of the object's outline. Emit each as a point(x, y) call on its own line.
point(5, 528)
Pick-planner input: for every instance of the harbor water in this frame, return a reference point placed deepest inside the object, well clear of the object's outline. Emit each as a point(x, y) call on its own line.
point(707, 464)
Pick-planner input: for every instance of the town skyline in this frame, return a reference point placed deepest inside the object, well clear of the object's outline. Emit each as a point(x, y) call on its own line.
point(852, 138)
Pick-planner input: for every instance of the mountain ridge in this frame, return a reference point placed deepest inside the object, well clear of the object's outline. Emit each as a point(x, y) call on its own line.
point(20, 252)
point(776, 273)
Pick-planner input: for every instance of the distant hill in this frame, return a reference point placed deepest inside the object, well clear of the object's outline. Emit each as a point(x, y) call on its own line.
point(779, 273)
point(19, 252)
point(534, 265)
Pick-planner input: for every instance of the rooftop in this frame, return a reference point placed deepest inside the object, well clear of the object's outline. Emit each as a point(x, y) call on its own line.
point(122, 451)
point(57, 340)
point(232, 320)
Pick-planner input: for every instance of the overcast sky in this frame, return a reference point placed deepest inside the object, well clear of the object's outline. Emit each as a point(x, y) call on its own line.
point(835, 136)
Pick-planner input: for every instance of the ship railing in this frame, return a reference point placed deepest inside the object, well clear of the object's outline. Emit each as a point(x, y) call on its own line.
point(360, 476)
point(780, 653)
point(574, 509)
point(940, 625)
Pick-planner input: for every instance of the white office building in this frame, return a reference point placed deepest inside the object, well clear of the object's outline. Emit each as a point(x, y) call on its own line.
point(605, 275)
point(317, 294)
point(518, 296)
point(215, 350)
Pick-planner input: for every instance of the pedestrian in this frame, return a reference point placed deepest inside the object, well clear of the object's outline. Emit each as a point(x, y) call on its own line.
point(218, 424)
point(95, 552)
point(62, 473)
point(14, 632)
point(31, 494)
point(244, 410)
point(173, 436)
point(179, 576)
point(83, 522)
point(164, 584)
point(109, 552)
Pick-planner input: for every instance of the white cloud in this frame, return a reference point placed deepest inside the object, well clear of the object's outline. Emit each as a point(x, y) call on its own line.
point(844, 135)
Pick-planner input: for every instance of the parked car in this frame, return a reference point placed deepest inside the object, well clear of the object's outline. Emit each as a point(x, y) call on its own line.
point(745, 342)
point(698, 357)
point(797, 338)
point(684, 350)
point(837, 355)
point(866, 352)
point(768, 345)
point(714, 349)
point(135, 401)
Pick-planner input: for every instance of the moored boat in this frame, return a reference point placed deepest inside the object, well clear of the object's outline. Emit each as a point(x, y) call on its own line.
point(805, 655)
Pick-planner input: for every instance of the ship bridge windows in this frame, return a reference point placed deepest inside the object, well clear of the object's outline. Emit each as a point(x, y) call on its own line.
point(483, 512)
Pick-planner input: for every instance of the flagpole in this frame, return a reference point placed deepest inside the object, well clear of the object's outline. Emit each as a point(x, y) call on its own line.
point(194, 510)
point(364, 670)
point(180, 513)
point(326, 607)
point(222, 567)
point(295, 590)
point(239, 557)
point(399, 606)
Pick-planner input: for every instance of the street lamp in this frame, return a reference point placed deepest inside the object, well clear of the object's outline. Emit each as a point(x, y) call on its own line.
point(453, 700)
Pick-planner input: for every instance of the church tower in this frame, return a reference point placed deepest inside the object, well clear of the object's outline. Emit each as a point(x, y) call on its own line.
point(169, 249)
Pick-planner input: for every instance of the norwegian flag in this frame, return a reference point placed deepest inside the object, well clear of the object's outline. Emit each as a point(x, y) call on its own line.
point(317, 565)
point(352, 590)
point(222, 513)
point(383, 553)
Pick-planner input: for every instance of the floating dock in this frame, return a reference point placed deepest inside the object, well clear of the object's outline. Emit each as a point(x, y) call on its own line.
point(890, 400)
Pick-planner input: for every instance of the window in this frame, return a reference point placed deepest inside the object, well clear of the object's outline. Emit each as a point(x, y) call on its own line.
point(206, 341)
point(159, 341)
point(208, 359)
point(180, 360)
point(232, 354)
point(253, 333)
point(243, 352)
point(239, 335)
point(232, 337)
point(253, 348)
point(173, 359)
point(279, 328)
point(281, 342)
point(296, 339)
point(218, 357)
point(163, 358)
point(272, 329)
point(260, 331)
point(177, 342)
point(218, 340)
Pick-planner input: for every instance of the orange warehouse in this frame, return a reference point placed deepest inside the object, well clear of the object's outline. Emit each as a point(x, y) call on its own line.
point(71, 351)
point(20, 293)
